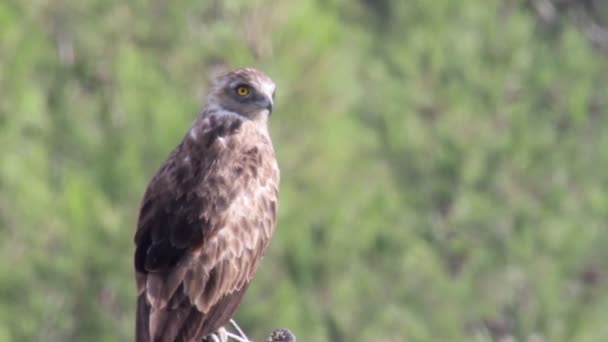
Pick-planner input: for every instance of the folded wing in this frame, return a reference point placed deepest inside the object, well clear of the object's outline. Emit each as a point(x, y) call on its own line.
point(205, 221)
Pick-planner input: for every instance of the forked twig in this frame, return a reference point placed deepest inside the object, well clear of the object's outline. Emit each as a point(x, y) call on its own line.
point(278, 335)
point(239, 330)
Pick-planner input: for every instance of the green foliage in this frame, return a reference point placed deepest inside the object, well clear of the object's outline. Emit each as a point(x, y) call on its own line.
point(443, 164)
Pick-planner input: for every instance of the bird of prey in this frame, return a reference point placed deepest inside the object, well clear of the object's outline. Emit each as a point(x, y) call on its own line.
point(208, 214)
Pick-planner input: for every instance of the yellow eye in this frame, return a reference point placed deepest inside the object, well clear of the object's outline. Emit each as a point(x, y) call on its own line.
point(242, 90)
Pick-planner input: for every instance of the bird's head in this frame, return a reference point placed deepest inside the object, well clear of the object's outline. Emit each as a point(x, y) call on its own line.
point(247, 92)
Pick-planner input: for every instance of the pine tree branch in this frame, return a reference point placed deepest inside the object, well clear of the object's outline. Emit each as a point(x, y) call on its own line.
point(281, 335)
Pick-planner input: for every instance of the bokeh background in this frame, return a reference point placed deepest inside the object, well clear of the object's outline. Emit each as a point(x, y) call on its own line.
point(444, 163)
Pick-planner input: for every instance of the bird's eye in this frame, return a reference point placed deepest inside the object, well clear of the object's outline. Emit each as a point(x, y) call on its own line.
point(242, 90)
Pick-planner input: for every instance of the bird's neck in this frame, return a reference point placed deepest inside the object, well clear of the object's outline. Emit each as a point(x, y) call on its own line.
point(259, 119)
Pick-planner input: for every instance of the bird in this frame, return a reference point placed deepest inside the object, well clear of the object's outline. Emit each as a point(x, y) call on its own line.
point(208, 215)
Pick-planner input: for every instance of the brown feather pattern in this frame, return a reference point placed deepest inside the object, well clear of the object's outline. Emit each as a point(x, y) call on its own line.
point(205, 221)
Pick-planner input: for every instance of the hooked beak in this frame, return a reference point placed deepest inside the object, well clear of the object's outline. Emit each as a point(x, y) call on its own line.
point(269, 105)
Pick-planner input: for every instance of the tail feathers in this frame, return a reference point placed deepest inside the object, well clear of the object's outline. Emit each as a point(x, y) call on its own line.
point(142, 320)
point(180, 321)
point(180, 324)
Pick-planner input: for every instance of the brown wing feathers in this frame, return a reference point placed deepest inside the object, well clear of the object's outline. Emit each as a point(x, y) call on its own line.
point(204, 223)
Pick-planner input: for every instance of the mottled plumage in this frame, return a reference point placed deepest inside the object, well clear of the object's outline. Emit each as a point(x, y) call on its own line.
point(208, 214)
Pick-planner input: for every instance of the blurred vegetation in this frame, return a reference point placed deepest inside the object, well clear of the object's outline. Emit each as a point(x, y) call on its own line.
point(444, 163)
